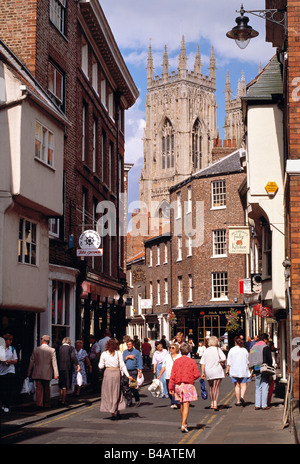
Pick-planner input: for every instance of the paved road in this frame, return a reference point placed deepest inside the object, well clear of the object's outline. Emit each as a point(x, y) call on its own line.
point(154, 423)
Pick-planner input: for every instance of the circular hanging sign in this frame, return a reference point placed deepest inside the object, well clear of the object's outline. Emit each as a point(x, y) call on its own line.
point(89, 240)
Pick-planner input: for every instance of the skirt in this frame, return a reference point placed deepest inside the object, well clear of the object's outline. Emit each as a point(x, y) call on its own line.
point(185, 392)
point(112, 398)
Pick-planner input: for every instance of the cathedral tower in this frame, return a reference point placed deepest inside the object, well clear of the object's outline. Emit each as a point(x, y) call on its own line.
point(180, 126)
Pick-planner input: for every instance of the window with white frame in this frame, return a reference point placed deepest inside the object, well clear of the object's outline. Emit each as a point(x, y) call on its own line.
point(218, 194)
point(58, 14)
point(61, 301)
point(179, 207)
point(139, 303)
point(95, 74)
point(94, 145)
point(158, 255)
point(180, 291)
point(219, 243)
point(111, 105)
point(219, 286)
point(56, 84)
point(190, 298)
point(190, 245)
point(189, 202)
point(27, 243)
point(44, 144)
point(151, 292)
point(54, 227)
point(150, 257)
point(166, 291)
point(179, 248)
point(166, 253)
point(103, 92)
point(84, 56)
point(158, 292)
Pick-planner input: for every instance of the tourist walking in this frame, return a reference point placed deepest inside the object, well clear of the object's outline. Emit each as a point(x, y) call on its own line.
point(42, 368)
point(112, 399)
point(134, 363)
point(83, 359)
point(66, 360)
point(146, 350)
point(93, 354)
point(167, 369)
point(201, 349)
point(212, 369)
point(238, 369)
point(183, 375)
point(157, 361)
point(7, 372)
point(260, 354)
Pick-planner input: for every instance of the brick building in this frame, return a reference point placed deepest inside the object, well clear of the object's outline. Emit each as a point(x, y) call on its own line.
point(205, 271)
point(69, 47)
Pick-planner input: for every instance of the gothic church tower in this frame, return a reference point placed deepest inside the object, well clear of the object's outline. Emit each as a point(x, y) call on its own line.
point(180, 126)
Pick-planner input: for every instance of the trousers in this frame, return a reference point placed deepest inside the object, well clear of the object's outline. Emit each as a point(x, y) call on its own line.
point(261, 390)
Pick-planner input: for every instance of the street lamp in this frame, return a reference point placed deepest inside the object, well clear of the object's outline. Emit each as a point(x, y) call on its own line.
point(242, 33)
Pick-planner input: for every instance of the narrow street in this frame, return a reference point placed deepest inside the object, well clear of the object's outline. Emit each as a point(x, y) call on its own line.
point(155, 423)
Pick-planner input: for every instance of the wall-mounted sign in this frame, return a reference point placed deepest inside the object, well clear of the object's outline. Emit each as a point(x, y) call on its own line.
point(271, 188)
point(239, 240)
point(89, 242)
point(146, 303)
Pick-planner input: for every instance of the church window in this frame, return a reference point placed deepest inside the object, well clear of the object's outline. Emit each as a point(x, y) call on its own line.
point(197, 146)
point(168, 144)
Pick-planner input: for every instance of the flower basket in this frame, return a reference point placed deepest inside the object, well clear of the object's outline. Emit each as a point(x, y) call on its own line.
point(172, 317)
point(262, 311)
point(233, 321)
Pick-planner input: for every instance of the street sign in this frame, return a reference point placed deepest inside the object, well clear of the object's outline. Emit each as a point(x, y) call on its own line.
point(95, 252)
point(89, 242)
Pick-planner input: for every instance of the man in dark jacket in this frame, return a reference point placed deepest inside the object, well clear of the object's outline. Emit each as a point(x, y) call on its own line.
point(260, 353)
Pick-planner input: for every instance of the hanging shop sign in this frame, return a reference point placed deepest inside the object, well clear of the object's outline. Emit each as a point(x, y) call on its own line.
point(239, 240)
point(89, 242)
point(245, 286)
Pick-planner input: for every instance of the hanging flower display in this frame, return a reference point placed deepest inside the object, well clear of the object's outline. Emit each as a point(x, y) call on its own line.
point(172, 317)
point(262, 311)
point(233, 321)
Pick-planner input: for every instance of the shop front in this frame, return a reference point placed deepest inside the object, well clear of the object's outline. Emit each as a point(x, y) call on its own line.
point(200, 323)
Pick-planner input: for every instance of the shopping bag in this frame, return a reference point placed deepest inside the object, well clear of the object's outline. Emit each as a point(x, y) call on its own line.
point(203, 389)
point(140, 380)
point(79, 379)
point(28, 386)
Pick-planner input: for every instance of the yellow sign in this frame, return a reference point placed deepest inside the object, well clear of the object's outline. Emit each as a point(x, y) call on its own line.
point(271, 188)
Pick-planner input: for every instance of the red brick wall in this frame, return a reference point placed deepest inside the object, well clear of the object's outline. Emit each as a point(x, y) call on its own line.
point(293, 152)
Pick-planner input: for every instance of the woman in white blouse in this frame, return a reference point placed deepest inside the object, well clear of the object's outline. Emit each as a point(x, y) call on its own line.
point(238, 369)
point(157, 361)
point(212, 370)
point(112, 399)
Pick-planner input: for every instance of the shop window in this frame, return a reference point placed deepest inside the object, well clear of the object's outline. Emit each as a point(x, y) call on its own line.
point(60, 310)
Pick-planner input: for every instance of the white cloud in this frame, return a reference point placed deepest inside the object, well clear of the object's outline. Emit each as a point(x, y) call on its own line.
point(135, 125)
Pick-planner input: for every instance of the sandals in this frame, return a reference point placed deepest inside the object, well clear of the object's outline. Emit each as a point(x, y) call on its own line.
point(184, 429)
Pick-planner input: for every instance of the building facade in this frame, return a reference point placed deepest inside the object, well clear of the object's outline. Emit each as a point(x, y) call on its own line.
point(69, 48)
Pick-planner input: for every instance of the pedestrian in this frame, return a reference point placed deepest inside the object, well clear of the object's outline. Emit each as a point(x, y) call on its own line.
point(102, 342)
point(183, 375)
point(42, 368)
point(66, 360)
point(157, 362)
point(191, 346)
point(7, 372)
point(83, 359)
point(166, 343)
point(112, 399)
point(212, 369)
point(200, 350)
point(167, 368)
point(123, 345)
point(146, 350)
point(94, 360)
point(180, 339)
point(238, 369)
point(134, 363)
point(137, 343)
point(249, 343)
point(260, 354)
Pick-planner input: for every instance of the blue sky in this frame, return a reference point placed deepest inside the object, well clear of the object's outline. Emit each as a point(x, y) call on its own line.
point(135, 23)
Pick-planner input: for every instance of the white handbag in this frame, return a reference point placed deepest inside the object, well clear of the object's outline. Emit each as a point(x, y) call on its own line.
point(266, 369)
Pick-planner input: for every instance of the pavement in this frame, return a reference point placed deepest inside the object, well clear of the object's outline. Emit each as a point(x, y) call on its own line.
point(262, 426)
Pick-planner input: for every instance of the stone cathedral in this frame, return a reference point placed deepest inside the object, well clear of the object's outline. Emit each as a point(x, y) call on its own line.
point(181, 128)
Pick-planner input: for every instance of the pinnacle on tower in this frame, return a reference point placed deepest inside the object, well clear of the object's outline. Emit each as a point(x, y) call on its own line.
point(227, 89)
point(212, 65)
point(197, 66)
point(182, 62)
point(150, 67)
point(165, 65)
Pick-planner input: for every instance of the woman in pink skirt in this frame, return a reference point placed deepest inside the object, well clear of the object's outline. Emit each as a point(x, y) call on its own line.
point(183, 375)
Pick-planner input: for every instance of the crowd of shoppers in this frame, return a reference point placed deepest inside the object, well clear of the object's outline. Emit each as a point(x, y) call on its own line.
point(116, 370)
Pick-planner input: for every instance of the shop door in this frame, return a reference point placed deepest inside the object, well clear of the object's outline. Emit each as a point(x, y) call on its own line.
point(211, 325)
